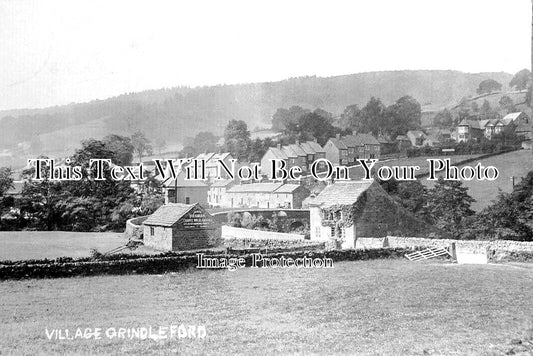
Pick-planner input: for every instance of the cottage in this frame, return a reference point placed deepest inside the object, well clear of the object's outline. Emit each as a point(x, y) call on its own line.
point(185, 191)
point(271, 154)
point(336, 151)
point(469, 130)
point(216, 195)
point(347, 210)
point(178, 227)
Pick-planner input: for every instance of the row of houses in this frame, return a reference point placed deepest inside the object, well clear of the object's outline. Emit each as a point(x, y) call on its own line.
point(339, 150)
point(517, 123)
point(230, 194)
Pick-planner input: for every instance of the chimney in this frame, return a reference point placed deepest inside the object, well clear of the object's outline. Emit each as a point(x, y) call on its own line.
point(338, 136)
point(297, 142)
point(315, 139)
point(279, 146)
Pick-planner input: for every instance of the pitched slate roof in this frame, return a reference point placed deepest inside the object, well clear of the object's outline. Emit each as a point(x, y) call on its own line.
point(213, 161)
point(315, 146)
point(338, 143)
point(471, 123)
point(287, 188)
point(307, 148)
point(222, 182)
point(289, 152)
point(279, 154)
point(169, 214)
point(513, 116)
point(342, 193)
point(298, 150)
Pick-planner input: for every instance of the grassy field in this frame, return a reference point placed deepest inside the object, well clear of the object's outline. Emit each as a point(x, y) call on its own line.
point(516, 164)
point(368, 307)
point(19, 245)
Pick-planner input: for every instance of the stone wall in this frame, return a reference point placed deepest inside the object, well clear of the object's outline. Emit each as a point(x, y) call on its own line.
point(135, 228)
point(473, 246)
point(229, 232)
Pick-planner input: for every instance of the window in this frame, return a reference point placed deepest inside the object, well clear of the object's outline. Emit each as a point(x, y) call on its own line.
point(332, 231)
point(187, 200)
point(317, 231)
point(152, 231)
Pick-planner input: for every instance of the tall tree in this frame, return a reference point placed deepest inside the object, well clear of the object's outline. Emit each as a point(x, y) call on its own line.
point(404, 115)
point(521, 79)
point(448, 204)
point(488, 86)
point(350, 118)
point(237, 139)
point(372, 117)
point(443, 119)
point(6, 180)
point(283, 118)
point(141, 144)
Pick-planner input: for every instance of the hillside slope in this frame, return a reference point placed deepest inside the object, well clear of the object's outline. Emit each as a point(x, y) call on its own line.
point(172, 114)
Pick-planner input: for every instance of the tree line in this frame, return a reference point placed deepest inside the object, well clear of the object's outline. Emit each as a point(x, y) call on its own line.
point(86, 205)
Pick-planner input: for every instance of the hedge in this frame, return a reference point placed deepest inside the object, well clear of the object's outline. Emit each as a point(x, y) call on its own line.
point(175, 261)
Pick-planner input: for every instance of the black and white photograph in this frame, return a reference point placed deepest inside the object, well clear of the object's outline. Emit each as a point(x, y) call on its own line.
point(250, 177)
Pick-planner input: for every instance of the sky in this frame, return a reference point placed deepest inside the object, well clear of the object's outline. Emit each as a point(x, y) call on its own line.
point(56, 52)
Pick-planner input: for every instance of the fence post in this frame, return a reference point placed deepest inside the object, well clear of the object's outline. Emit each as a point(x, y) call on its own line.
point(453, 252)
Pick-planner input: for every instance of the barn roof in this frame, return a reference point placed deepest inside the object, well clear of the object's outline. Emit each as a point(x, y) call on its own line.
point(342, 193)
point(169, 214)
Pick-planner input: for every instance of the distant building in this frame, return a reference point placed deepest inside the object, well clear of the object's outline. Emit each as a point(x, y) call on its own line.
point(299, 154)
point(403, 143)
point(336, 151)
point(216, 196)
point(469, 130)
point(416, 137)
point(266, 195)
point(185, 191)
point(352, 209)
point(178, 227)
point(361, 146)
point(346, 150)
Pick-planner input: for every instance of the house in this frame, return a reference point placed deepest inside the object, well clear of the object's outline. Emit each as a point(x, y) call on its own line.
point(387, 145)
point(216, 196)
point(313, 151)
point(336, 151)
point(297, 157)
point(361, 146)
point(469, 130)
point(266, 195)
point(185, 191)
point(403, 143)
point(179, 227)
point(298, 154)
point(416, 137)
point(517, 117)
point(271, 154)
point(350, 209)
point(212, 165)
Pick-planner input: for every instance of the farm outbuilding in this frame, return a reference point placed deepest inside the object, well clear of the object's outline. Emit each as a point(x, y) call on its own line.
point(178, 227)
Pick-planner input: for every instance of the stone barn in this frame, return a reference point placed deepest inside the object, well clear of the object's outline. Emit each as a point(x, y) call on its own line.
point(347, 210)
point(178, 227)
